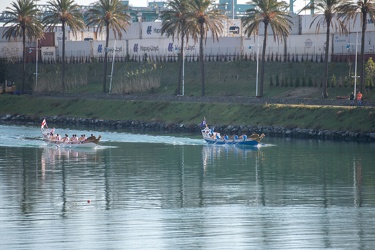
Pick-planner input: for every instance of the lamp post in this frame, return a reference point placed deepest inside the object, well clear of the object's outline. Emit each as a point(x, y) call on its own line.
point(36, 62)
point(182, 70)
point(355, 63)
point(183, 73)
point(257, 72)
point(256, 81)
point(113, 61)
point(36, 66)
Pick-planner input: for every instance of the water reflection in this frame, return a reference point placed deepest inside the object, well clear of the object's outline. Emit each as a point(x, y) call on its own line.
point(239, 166)
point(54, 155)
point(357, 182)
point(289, 196)
point(212, 153)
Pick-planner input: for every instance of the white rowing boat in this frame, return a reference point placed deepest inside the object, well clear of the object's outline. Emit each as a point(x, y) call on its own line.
point(54, 139)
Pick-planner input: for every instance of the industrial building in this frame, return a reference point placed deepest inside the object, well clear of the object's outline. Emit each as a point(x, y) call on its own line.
point(143, 39)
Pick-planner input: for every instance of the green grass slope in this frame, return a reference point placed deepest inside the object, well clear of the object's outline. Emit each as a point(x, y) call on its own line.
point(355, 119)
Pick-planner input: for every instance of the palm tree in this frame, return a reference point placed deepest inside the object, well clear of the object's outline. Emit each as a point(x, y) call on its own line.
point(110, 14)
point(328, 20)
point(175, 23)
point(201, 19)
point(271, 14)
point(23, 22)
point(66, 13)
point(350, 10)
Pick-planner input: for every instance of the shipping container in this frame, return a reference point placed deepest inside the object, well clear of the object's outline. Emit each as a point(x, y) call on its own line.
point(48, 40)
point(48, 54)
point(11, 50)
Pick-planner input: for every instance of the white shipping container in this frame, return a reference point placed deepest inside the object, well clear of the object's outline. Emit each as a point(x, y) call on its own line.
point(306, 21)
point(345, 44)
point(151, 30)
point(151, 47)
point(11, 49)
point(59, 35)
point(75, 48)
point(48, 54)
point(97, 48)
point(306, 44)
point(251, 44)
point(166, 47)
point(132, 32)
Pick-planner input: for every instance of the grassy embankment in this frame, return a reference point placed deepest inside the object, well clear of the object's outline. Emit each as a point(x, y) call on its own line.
point(314, 117)
point(223, 79)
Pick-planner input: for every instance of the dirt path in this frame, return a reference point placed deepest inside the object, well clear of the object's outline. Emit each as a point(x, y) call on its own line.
point(298, 97)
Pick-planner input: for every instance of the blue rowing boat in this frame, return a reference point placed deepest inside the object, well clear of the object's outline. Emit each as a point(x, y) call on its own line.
point(212, 137)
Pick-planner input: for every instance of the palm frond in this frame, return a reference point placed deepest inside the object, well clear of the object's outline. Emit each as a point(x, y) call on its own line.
point(64, 12)
point(111, 14)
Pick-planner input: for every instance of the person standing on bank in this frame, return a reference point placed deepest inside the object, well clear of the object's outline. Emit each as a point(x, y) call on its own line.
point(351, 99)
point(359, 98)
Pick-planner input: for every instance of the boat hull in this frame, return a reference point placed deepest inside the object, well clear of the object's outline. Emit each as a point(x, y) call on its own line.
point(72, 145)
point(215, 138)
point(232, 142)
point(91, 142)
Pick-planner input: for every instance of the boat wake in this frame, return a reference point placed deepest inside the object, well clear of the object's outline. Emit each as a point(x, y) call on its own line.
point(26, 136)
point(146, 138)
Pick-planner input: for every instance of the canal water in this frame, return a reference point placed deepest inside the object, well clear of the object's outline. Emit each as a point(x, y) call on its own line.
point(159, 191)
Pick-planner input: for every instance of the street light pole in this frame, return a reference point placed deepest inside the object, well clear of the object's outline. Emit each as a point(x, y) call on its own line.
point(36, 62)
point(113, 61)
point(183, 72)
point(36, 67)
point(257, 73)
point(355, 63)
point(355, 67)
point(256, 80)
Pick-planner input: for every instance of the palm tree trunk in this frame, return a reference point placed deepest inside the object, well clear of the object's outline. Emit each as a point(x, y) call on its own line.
point(105, 59)
point(201, 58)
point(24, 57)
point(63, 58)
point(285, 48)
point(262, 66)
point(364, 28)
point(325, 93)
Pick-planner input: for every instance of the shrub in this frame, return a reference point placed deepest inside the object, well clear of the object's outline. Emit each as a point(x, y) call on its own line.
point(277, 81)
point(271, 82)
point(310, 82)
point(333, 81)
point(297, 82)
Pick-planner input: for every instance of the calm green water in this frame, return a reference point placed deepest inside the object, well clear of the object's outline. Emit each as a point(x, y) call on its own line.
point(139, 191)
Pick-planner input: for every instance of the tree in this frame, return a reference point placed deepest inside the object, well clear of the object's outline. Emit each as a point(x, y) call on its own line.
point(201, 19)
point(23, 22)
point(273, 15)
point(328, 20)
point(350, 10)
point(175, 23)
point(370, 73)
point(110, 14)
point(66, 13)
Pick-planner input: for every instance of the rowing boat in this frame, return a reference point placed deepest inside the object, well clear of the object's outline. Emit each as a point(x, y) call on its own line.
point(54, 139)
point(212, 137)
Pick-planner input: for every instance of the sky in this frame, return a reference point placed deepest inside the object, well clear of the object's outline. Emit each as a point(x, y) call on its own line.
point(135, 3)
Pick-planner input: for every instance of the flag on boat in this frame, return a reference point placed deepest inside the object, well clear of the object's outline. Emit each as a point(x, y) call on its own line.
point(44, 123)
point(204, 122)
